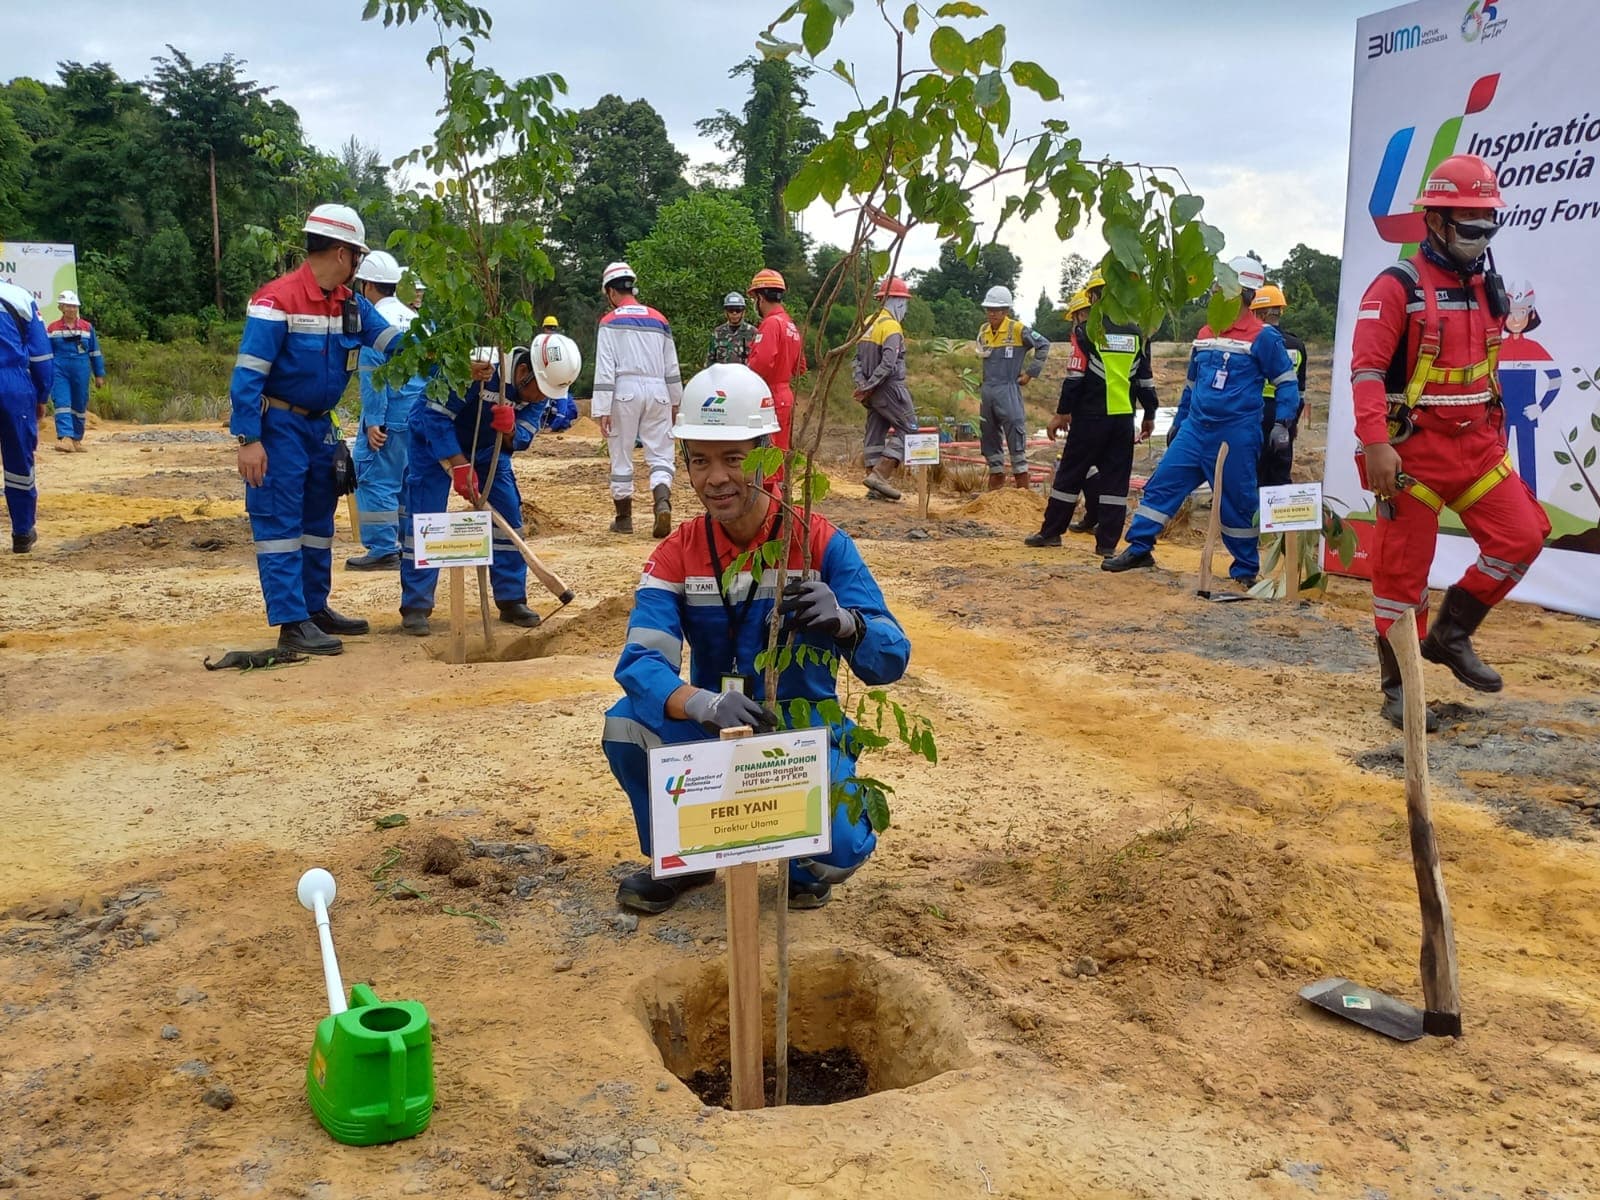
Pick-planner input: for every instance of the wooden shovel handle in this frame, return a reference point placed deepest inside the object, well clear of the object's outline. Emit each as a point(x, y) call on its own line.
point(550, 579)
point(1214, 524)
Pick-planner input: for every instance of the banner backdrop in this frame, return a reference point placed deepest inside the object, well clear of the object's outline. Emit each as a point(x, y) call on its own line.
point(42, 268)
point(1515, 82)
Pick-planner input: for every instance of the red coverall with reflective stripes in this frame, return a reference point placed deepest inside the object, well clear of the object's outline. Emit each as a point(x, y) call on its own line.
point(1454, 446)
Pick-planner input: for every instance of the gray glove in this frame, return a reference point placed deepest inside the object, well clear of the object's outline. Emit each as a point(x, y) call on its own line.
point(811, 605)
point(1278, 440)
point(716, 711)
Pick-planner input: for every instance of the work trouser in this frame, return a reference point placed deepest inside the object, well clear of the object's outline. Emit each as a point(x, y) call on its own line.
point(1190, 460)
point(1454, 453)
point(291, 514)
point(19, 442)
point(783, 405)
point(381, 475)
point(890, 416)
point(628, 740)
point(428, 491)
point(1003, 427)
point(1274, 469)
point(70, 394)
point(640, 419)
point(1104, 445)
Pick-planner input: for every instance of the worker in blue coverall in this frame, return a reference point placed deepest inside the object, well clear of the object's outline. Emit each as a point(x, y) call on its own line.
point(445, 458)
point(835, 607)
point(27, 369)
point(1221, 402)
point(384, 435)
point(78, 357)
point(302, 336)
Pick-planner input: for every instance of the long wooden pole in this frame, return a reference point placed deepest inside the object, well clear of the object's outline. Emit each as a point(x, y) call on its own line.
point(744, 976)
point(1441, 979)
point(1213, 525)
point(549, 578)
point(458, 615)
point(483, 607)
point(780, 1040)
point(1291, 566)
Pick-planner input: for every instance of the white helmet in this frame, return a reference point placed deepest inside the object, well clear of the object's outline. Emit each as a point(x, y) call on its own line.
point(998, 297)
point(339, 222)
point(727, 402)
point(68, 297)
point(733, 300)
point(1251, 273)
point(379, 267)
point(614, 272)
point(556, 362)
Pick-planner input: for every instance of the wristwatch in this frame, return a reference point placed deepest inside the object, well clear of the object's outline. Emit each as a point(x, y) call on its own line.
point(247, 441)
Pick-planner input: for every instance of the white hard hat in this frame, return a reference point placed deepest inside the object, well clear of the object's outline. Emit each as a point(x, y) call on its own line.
point(733, 300)
point(379, 267)
point(1250, 272)
point(69, 297)
point(556, 362)
point(614, 272)
point(339, 222)
point(998, 297)
point(727, 402)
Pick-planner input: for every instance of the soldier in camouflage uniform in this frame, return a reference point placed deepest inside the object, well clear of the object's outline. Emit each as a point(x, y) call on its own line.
point(731, 342)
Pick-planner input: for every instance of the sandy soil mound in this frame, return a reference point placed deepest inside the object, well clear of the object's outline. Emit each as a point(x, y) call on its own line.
point(1012, 507)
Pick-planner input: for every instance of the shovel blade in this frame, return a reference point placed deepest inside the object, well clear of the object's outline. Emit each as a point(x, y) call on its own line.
point(1369, 1009)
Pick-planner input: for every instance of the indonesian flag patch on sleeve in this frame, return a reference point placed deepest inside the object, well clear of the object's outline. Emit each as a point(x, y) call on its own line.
point(1371, 310)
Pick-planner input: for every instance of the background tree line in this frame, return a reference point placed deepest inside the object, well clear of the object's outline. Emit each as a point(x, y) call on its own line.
point(131, 172)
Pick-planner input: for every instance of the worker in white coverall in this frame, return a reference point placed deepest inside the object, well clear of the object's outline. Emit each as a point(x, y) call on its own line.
point(637, 390)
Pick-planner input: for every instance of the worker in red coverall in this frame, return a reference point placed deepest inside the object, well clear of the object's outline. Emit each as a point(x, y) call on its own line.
point(777, 355)
point(1432, 428)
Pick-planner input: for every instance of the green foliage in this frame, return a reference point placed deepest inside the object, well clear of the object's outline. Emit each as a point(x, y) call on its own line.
point(702, 247)
point(166, 272)
point(970, 277)
point(1049, 321)
point(167, 381)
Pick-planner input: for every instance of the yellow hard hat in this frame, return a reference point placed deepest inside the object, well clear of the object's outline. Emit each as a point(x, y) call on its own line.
point(1078, 302)
point(551, 323)
point(1268, 295)
point(1096, 280)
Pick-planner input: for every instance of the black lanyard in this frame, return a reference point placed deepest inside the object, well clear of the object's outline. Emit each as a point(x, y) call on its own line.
point(736, 615)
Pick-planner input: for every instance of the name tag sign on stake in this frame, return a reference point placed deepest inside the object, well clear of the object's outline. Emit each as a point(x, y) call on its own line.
point(734, 803)
point(454, 541)
point(922, 452)
point(1291, 509)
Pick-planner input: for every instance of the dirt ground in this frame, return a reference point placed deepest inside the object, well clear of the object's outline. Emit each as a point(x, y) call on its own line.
point(1153, 820)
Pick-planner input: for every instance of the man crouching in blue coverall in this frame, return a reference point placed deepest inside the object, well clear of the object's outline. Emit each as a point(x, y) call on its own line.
point(837, 607)
point(1221, 403)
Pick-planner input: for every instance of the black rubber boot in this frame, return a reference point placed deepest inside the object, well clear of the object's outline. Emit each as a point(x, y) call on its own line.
point(643, 893)
point(305, 637)
point(1129, 560)
point(624, 519)
point(1393, 692)
point(662, 495)
point(415, 622)
point(21, 543)
point(374, 562)
point(1084, 524)
point(517, 612)
point(331, 622)
point(811, 894)
point(1106, 551)
point(1042, 539)
point(1449, 640)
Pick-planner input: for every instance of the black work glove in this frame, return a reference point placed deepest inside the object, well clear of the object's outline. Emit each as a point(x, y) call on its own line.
point(716, 711)
point(810, 604)
point(1278, 440)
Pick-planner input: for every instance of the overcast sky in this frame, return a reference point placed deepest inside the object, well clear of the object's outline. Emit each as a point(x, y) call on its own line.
point(1250, 100)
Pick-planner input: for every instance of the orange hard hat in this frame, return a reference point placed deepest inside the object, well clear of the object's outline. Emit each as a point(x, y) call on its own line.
point(1461, 181)
point(1269, 295)
point(768, 278)
point(892, 288)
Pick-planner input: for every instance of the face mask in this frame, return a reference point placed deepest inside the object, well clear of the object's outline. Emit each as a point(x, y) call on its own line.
point(897, 307)
point(1471, 240)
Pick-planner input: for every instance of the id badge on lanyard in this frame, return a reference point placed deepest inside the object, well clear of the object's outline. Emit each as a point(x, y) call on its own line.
point(1220, 379)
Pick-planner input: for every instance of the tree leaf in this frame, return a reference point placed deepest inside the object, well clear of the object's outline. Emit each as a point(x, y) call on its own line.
point(1563, 458)
point(1573, 436)
point(1594, 421)
point(912, 15)
point(948, 49)
point(817, 29)
point(1186, 208)
point(1576, 487)
point(841, 8)
point(960, 10)
point(987, 89)
point(1588, 459)
point(1036, 79)
point(1221, 311)
point(1123, 239)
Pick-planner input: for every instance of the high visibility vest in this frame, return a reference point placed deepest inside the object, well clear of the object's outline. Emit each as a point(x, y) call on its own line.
point(1269, 390)
point(1118, 349)
point(1009, 334)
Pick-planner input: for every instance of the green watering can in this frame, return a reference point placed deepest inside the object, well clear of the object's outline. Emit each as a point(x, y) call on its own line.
point(370, 1078)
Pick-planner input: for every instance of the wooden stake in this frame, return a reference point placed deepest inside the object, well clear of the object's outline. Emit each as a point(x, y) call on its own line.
point(458, 615)
point(1291, 566)
point(1213, 525)
point(923, 490)
point(780, 1044)
point(1441, 979)
point(483, 607)
point(354, 514)
point(744, 975)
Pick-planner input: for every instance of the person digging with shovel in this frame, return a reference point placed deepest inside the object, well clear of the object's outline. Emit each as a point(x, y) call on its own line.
point(835, 607)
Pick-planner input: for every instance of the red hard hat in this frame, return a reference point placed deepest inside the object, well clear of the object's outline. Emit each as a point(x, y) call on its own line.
point(1461, 181)
point(892, 288)
point(767, 278)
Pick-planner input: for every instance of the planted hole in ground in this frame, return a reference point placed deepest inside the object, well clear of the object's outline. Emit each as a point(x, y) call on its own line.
point(576, 629)
point(856, 1026)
